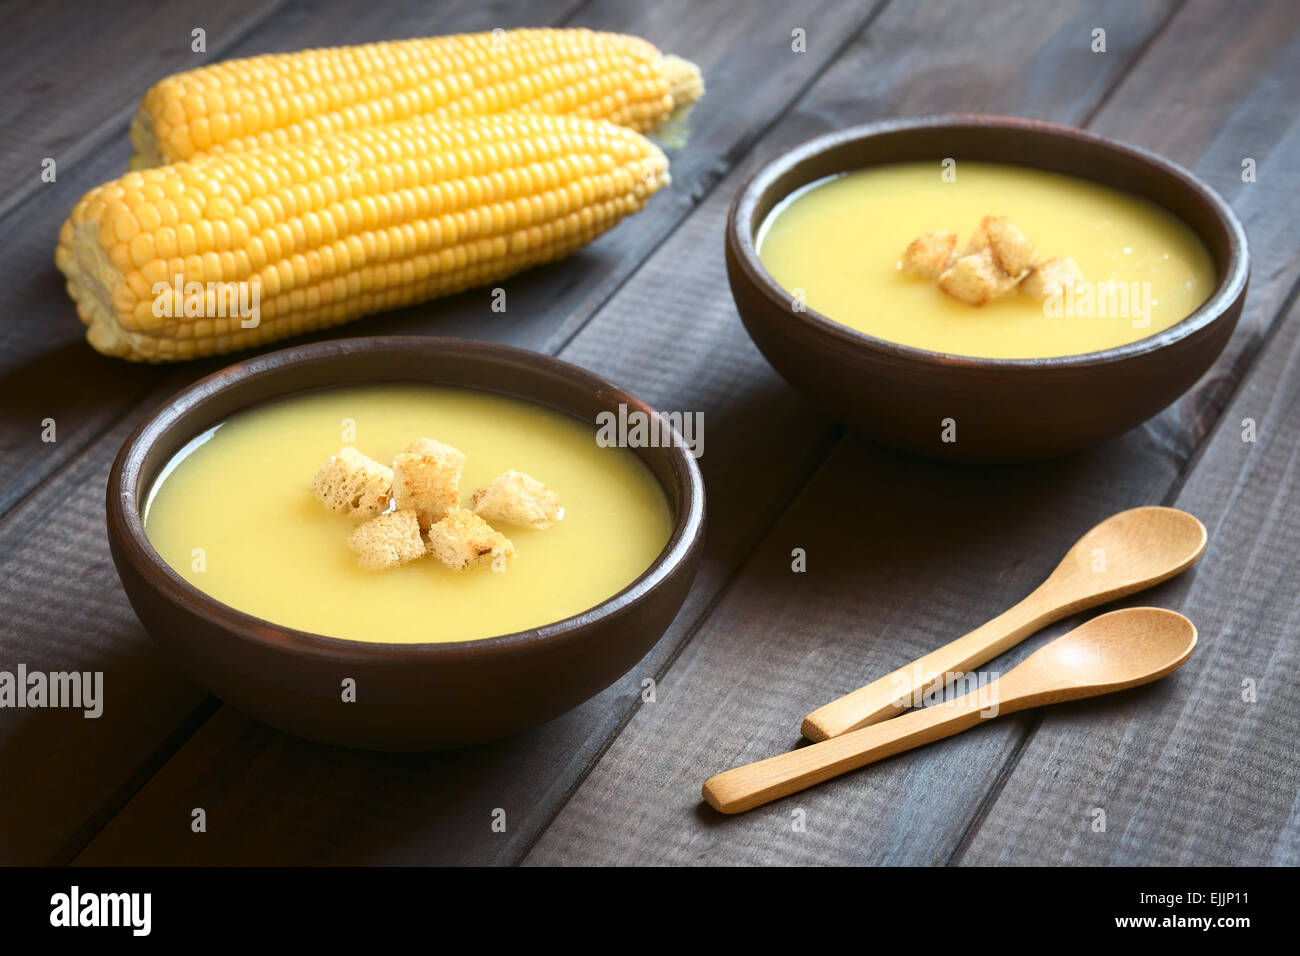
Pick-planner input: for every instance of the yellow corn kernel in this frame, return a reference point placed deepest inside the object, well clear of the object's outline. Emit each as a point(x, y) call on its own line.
point(295, 97)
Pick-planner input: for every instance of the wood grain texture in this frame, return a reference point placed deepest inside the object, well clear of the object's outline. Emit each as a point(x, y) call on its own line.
point(617, 344)
point(671, 335)
point(1202, 775)
point(69, 87)
point(908, 554)
point(62, 609)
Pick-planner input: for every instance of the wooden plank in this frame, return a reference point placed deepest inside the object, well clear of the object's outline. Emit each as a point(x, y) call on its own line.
point(671, 335)
point(1194, 773)
point(62, 607)
point(73, 73)
point(905, 555)
point(713, 140)
point(61, 611)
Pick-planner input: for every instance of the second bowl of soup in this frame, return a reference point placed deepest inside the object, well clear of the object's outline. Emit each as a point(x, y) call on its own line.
point(985, 288)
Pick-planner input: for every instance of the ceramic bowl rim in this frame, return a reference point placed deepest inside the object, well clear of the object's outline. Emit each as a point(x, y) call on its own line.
point(126, 525)
point(741, 235)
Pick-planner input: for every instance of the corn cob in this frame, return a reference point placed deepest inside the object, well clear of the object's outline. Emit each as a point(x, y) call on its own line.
point(286, 98)
point(324, 232)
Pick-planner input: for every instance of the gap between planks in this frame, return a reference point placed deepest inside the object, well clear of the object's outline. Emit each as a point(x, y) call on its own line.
point(1250, 360)
point(1127, 70)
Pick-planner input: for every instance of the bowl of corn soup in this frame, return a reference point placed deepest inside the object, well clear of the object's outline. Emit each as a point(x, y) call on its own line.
point(403, 543)
point(984, 288)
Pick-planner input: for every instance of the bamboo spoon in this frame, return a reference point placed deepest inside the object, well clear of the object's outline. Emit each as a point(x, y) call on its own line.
point(1108, 653)
point(1126, 553)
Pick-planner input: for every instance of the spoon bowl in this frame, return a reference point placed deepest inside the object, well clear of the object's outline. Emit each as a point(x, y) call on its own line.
point(1117, 650)
point(1127, 552)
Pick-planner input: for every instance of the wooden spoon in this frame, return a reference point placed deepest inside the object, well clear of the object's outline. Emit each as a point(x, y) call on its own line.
point(1126, 553)
point(1111, 652)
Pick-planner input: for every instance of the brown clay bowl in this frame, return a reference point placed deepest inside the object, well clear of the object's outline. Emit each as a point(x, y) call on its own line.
point(409, 696)
point(1005, 409)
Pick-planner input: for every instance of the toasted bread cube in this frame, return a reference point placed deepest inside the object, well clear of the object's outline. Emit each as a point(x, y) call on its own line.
point(1011, 248)
point(354, 484)
point(930, 253)
point(979, 239)
point(517, 498)
point(427, 483)
point(387, 541)
point(1051, 277)
point(462, 540)
point(432, 448)
point(976, 279)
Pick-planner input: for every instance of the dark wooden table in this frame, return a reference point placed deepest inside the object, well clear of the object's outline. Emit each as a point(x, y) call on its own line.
point(902, 554)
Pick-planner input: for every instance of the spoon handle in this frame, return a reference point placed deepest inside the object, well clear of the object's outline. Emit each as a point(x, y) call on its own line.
point(755, 784)
point(904, 688)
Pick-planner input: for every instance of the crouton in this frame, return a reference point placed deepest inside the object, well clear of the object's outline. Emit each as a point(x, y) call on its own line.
point(1011, 248)
point(462, 540)
point(432, 448)
point(387, 541)
point(930, 253)
point(1051, 277)
point(978, 241)
point(976, 278)
point(354, 484)
point(430, 484)
point(516, 498)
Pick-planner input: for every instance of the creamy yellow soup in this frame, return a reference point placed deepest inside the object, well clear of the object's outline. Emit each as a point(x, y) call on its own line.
point(234, 515)
point(836, 246)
